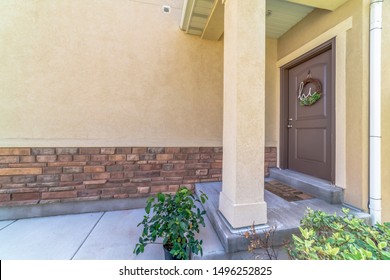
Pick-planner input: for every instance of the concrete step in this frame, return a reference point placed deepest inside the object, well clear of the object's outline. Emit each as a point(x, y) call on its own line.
point(319, 188)
point(282, 215)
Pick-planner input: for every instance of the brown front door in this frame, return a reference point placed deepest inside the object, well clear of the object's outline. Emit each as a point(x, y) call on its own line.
point(310, 131)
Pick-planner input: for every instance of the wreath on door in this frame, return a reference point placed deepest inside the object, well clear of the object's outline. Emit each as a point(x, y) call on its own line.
point(311, 97)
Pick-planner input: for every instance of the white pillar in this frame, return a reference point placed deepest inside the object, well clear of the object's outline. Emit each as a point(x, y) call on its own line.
point(242, 198)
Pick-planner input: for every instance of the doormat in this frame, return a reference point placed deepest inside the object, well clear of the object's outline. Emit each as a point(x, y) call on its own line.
point(286, 192)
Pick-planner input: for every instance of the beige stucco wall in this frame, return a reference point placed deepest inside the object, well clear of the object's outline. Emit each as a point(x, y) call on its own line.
point(106, 73)
point(271, 92)
point(386, 113)
point(356, 86)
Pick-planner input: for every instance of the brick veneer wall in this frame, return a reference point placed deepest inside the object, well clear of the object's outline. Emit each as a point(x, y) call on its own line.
point(46, 175)
point(270, 156)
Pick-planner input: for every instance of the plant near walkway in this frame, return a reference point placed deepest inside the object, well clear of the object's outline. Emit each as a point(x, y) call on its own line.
point(176, 219)
point(333, 237)
point(262, 241)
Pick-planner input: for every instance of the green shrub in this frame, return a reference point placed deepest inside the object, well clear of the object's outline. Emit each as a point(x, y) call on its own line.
point(176, 218)
point(333, 237)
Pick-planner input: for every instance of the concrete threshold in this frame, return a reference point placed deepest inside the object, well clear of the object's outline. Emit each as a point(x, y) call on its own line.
point(318, 187)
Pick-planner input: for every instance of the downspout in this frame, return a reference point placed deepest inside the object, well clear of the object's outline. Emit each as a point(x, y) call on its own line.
point(375, 187)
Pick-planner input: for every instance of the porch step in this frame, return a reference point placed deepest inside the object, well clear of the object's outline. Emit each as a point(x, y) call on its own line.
point(282, 215)
point(319, 188)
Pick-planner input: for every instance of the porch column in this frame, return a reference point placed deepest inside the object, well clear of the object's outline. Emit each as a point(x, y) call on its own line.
point(242, 198)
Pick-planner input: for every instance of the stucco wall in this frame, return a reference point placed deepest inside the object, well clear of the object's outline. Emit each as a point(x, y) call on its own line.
point(271, 91)
point(356, 115)
point(106, 73)
point(386, 113)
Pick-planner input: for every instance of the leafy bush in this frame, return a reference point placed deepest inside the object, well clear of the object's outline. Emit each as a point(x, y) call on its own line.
point(176, 219)
point(332, 237)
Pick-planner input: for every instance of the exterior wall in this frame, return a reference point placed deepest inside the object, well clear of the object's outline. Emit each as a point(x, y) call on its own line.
point(385, 113)
point(47, 175)
point(36, 176)
point(96, 73)
point(271, 92)
point(356, 115)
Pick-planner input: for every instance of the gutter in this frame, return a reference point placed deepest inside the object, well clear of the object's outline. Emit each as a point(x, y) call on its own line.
point(375, 188)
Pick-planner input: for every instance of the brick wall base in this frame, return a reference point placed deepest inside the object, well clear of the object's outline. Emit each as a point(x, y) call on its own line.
point(40, 176)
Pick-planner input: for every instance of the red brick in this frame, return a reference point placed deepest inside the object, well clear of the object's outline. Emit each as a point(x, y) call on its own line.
point(197, 166)
point(132, 157)
point(26, 196)
point(172, 150)
point(27, 159)
point(208, 150)
point(47, 158)
point(52, 170)
point(67, 151)
point(138, 150)
point(117, 175)
point(164, 157)
point(95, 182)
point(176, 173)
point(65, 158)
point(99, 176)
point(98, 158)
point(94, 169)
point(23, 179)
point(131, 167)
point(117, 157)
point(48, 178)
point(81, 177)
point(149, 167)
point(190, 150)
point(125, 150)
point(143, 190)
point(73, 169)
point(15, 151)
point(5, 179)
point(216, 165)
point(66, 177)
point(26, 165)
point(157, 189)
point(180, 156)
point(156, 150)
point(129, 174)
point(20, 171)
point(217, 156)
point(9, 159)
point(81, 158)
point(107, 151)
point(59, 195)
point(147, 173)
point(89, 192)
point(89, 151)
point(43, 151)
point(5, 197)
point(70, 163)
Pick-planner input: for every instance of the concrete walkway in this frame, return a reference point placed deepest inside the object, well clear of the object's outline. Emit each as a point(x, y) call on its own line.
point(92, 236)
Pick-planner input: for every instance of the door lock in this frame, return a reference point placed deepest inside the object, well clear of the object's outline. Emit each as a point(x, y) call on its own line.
point(289, 123)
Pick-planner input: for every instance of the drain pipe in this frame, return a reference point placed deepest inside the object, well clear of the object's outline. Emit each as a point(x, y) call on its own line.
point(375, 204)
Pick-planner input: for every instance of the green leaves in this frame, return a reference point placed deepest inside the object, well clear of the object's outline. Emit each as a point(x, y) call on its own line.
point(332, 237)
point(176, 219)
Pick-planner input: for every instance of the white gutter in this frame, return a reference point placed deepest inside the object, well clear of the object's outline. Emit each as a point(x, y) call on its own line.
point(375, 204)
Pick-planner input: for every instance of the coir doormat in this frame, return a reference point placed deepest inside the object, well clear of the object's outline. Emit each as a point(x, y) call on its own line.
point(286, 192)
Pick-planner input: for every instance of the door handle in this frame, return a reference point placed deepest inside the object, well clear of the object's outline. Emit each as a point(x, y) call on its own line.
point(289, 123)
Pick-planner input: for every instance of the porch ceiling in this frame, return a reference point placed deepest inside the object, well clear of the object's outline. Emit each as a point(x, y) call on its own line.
point(204, 18)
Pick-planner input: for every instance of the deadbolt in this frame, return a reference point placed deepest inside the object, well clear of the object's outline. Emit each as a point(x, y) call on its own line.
point(289, 123)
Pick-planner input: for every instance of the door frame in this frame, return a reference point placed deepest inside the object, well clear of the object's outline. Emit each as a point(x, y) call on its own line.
point(284, 77)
